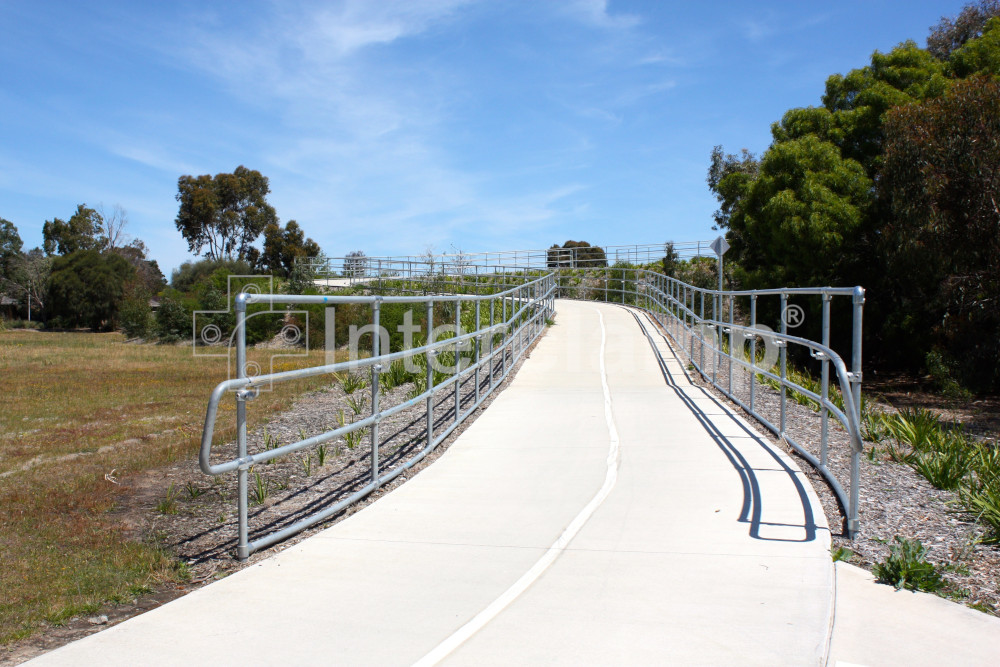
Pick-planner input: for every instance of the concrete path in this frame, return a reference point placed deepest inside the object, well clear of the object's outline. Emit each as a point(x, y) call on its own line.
point(602, 511)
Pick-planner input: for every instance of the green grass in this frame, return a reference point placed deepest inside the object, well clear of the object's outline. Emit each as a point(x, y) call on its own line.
point(77, 407)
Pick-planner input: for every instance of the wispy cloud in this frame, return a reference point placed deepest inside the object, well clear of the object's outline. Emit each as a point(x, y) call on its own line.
point(595, 13)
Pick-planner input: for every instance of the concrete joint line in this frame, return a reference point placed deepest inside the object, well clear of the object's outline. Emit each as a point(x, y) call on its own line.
point(480, 620)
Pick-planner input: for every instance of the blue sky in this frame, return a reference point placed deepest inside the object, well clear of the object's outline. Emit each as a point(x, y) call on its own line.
point(394, 126)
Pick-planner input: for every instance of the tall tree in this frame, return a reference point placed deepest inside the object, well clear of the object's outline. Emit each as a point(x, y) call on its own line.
point(80, 232)
point(942, 243)
point(283, 246)
point(111, 227)
point(10, 247)
point(951, 34)
point(225, 213)
point(86, 288)
point(28, 278)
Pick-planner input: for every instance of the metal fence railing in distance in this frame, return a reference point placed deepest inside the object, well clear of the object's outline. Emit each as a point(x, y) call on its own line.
point(491, 332)
point(728, 344)
point(358, 268)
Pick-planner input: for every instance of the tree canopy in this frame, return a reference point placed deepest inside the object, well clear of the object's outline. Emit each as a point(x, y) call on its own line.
point(283, 246)
point(10, 247)
point(576, 254)
point(85, 288)
point(871, 188)
point(942, 243)
point(951, 34)
point(225, 213)
point(80, 232)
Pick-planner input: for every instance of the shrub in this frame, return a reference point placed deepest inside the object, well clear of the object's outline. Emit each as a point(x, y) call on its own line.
point(907, 567)
point(173, 319)
point(135, 315)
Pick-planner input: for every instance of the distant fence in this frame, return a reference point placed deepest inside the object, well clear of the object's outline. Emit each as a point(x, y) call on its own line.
point(364, 267)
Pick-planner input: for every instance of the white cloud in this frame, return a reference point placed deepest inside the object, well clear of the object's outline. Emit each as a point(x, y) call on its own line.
point(595, 13)
point(339, 31)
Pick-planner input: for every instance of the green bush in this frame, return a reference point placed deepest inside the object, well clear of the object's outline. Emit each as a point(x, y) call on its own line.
point(135, 315)
point(944, 459)
point(173, 318)
point(907, 567)
point(943, 376)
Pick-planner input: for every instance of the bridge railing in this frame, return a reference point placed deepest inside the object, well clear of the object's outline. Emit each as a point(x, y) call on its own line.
point(508, 316)
point(736, 353)
point(365, 268)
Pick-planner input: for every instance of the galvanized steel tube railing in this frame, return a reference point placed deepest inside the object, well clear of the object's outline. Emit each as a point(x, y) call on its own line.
point(681, 311)
point(523, 311)
point(364, 267)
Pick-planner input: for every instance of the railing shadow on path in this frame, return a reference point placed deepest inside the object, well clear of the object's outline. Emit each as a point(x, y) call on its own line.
point(753, 501)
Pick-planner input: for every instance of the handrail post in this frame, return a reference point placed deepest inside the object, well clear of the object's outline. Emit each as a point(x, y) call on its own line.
point(242, 475)
point(701, 336)
point(825, 383)
point(430, 374)
point(716, 299)
point(784, 354)
point(376, 368)
point(753, 350)
point(493, 345)
point(458, 364)
point(859, 307)
point(731, 341)
point(479, 344)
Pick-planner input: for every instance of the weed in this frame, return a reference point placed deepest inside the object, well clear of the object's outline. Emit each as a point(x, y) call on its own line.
point(259, 490)
point(321, 455)
point(307, 465)
point(873, 426)
point(270, 442)
point(193, 491)
point(351, 382)
point(945, 459)
point(982, 499)
point(841, 554)
point(169, 504)
point(419, 386)
point(907, 567)
point(358, 405)
point(393, 376)
point(913, 427)
point(354, 438)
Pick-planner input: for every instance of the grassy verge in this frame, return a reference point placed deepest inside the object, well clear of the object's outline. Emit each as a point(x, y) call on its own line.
point(80, 413)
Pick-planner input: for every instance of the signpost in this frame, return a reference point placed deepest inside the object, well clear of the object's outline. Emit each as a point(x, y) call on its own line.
point(719, 247)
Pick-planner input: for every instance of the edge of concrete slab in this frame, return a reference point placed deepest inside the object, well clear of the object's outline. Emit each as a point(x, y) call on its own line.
point(874, 624)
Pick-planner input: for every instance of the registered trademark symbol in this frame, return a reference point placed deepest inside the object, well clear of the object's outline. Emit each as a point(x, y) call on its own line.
point(793, 316)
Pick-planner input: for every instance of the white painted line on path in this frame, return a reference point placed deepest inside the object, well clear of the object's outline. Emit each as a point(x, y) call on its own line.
point(479, 621)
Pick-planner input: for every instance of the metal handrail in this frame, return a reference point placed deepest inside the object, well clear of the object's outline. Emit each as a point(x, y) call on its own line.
point(664, 297)
point(530, 304)
point(371, 266)
point(669, 301)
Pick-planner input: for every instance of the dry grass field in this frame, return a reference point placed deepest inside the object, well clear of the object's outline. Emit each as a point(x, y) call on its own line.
point(79, 412)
